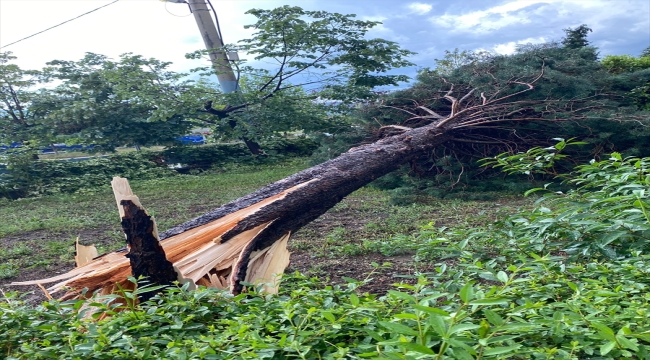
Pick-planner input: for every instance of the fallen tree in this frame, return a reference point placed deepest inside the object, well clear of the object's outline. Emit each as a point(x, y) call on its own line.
point(244, 241)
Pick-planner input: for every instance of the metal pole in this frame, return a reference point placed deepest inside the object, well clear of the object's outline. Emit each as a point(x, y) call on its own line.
point(211, 39)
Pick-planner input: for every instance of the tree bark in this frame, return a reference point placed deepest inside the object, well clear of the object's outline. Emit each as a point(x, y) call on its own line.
point(146, 256)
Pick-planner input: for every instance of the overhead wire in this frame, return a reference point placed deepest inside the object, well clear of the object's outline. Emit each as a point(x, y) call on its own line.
point(171, 13)
point(67, 21)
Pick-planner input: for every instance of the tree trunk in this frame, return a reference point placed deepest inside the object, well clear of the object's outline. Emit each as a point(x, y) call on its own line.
point(253, 146)
point(220, 247)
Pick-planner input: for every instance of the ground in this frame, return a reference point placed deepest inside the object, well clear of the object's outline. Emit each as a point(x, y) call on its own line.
point(349, 241)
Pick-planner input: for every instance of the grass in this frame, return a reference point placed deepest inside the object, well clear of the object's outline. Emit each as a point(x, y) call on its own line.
point(367, 220)
point(39, 233)
point(48, 225)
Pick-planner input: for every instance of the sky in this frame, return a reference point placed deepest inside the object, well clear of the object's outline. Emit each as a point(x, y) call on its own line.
point(167, 31)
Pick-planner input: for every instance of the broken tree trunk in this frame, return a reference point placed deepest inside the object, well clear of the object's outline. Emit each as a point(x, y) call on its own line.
point(234, 244)
point(146, 256)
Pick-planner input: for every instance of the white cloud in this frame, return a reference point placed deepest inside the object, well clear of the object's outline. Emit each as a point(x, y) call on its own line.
point(419, 8)
point(490, 19)
point(510, 47)
point(517, 12)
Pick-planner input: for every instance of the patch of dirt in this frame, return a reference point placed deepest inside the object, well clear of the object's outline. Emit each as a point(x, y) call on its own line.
point(360, 268)
point(38, 240)
point(32, 293)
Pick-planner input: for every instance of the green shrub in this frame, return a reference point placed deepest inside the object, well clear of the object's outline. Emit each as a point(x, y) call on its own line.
point(29, 177)
point(526, 307)
point(204, 157)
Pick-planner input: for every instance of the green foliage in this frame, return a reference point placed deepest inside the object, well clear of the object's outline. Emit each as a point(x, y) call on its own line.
point(481, 308)
point(641, 96)
point(17, 121)
point(606, 214)
point(629, 64)
point(611, 124)
point(456, 59)
point(133, 101)
point(204, 157)
point(325, 63)
point(28, 177)
point(617, 64)
point(263, 118)
point(534, 161)
point(332, 44)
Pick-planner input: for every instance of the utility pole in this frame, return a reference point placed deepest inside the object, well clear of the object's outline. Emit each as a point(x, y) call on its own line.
point(212, 40)
point(219, 58)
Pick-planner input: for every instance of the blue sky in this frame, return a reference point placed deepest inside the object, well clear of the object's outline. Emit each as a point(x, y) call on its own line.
point(165, 31)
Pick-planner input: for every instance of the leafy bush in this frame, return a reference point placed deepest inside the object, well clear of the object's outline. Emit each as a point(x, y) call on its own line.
point(474, 308)
point(29, 177)
point(608, 214)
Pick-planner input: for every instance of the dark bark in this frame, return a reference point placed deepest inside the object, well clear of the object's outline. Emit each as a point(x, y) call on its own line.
point(146, 256)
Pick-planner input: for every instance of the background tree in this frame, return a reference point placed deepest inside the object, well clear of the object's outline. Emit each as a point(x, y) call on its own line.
point(576, 38)
point(457, 59)
point(570, 74)
point(327, 54)
point(17, 120)
point(133, 101)
point(632, 67)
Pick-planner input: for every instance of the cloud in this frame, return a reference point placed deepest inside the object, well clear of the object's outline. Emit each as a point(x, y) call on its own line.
point(511, 46)
point(419, 8)
point(493, 18)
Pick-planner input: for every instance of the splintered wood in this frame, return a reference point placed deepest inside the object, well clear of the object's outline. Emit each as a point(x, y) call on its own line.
point(199, 256)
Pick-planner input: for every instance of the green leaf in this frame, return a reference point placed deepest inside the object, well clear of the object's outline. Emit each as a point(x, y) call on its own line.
point(467, 292)
point(328, 315)
point(437, 323)
point(430, 310)
point(607, 347)
point(501, 350)
point(604, 331)
point(354, 299)
point(416, 348)
point(462, 327)
point(398, 328)
point(402, 295)
point(494, 318)
point(627, 343)
point(490, 301)
point(406, 316)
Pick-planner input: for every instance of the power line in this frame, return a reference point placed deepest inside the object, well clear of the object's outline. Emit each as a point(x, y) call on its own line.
point(50, 28)
point(171, 13)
